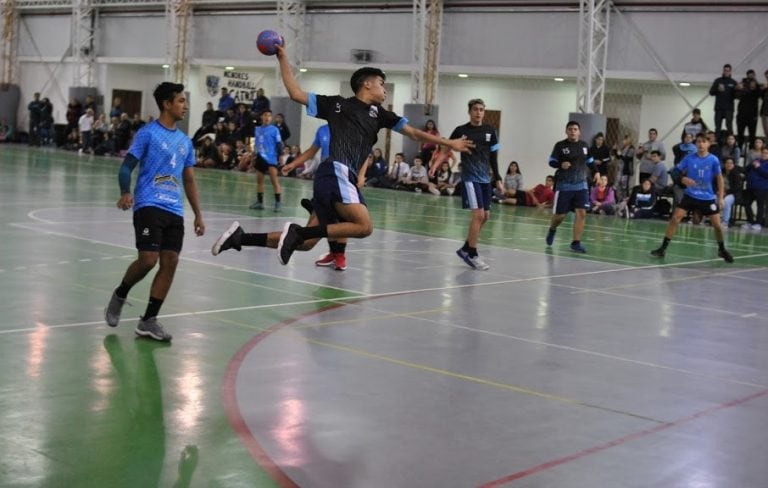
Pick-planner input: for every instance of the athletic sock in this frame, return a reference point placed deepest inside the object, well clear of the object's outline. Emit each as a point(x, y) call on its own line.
point(665, 242)
point(336, 247)
point(122, 290)
point(259, 240)
point(465, 247)
point(472, 251)
point(153, 308)
point(721, 245)
point(277, 197)
point(260, 197)
point(315, 232)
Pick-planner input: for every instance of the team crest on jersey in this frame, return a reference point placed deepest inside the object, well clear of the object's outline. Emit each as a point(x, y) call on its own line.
point(182, 149)
point(212, 85)
point(585, 150)
point(487, 137)
point(373, 112)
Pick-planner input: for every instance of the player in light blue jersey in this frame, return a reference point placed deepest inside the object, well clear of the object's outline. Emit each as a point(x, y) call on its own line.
point(166, 159)
point(267, 147)
point(696, 172)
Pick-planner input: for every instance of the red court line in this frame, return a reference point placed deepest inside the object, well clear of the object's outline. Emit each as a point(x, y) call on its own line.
point(232, 408)
point(621, 440)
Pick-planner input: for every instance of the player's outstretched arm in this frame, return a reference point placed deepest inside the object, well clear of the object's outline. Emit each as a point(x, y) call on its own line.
point(290, 82)
point(300, 159)
point(462, 145)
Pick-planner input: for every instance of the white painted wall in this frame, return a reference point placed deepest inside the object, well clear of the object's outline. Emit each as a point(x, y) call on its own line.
point(511, 57)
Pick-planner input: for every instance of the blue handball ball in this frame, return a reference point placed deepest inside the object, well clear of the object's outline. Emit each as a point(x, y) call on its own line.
point(268, 41)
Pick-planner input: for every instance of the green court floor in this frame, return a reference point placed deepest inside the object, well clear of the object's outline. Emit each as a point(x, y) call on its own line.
point(84, 405)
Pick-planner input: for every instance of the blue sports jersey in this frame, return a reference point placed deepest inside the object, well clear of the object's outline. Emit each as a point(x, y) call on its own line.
point(268, 143)
point(323, 141)
point(163, 155)
point(702, 170)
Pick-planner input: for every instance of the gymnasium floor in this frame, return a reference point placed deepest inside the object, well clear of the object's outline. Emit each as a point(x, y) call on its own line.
point(407, 370)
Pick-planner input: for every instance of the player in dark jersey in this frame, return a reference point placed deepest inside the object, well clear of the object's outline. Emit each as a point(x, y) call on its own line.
point(339, 208)
point(166, 159)
point(570, 157)
point(696, 172)
point(477, 168)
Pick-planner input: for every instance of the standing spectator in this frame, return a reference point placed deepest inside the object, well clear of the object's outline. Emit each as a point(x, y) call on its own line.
point(285, 132)
point(245, 123)
point(748, 93)
point(260, 104)
point(644, 154)
point(210, 117)
point(764, 107)
point(89, 103)
point(74, 111)
point(724, 91)
point(46, 122)
point(35, 108)
point(122, 133)
point(427, 148)
point(626, 169)
point(85, 124)
point(225, 101)
point(601, 156)
point(572, 160)
point(117, 108)
point(757, 191)
point(695, 126)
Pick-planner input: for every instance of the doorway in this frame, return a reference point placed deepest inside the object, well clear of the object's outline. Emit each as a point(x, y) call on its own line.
point(130, 101)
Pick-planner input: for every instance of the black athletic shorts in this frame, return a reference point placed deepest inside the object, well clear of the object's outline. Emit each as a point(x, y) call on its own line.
point(262, 166)
point(158, 230)
point(706, 207)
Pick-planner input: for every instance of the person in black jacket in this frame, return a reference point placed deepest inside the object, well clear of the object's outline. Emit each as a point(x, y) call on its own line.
point(724, 91)
point(748, 93)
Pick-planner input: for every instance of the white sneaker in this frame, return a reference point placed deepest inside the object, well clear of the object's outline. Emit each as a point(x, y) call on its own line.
point(434, 191)
point(478, 262)
point(746, 226)
point(757, 227)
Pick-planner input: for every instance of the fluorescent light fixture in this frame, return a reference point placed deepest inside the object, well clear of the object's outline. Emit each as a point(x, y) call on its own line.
point(559, 79)
point(684, 83)
point(463, 75)
point(302, 70)
point(229, 68)
point(166, 66)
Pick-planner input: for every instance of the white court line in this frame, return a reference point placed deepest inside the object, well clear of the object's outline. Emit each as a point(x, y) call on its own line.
point(182, 257)
point(573, 349)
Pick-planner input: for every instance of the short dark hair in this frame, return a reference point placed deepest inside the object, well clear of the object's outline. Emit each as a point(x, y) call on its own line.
point(266, 110)
point(652, 129)
point(572, 123)
point(727, 65)
point(703, 136)
point(750, 71)
point(728, 159)
point(360, 76)
point(697, 111)
point(475, 101)
point(166, 91)
point(656, 152)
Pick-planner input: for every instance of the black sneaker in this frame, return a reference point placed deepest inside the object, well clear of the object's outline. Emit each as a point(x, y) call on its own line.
point(230, 239)
point(723, 253)
point(307, 204)
point(659, 253)
point(289, 241)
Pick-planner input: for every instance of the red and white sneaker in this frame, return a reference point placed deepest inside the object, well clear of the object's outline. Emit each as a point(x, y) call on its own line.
point(327, 260)
point(340, 261)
